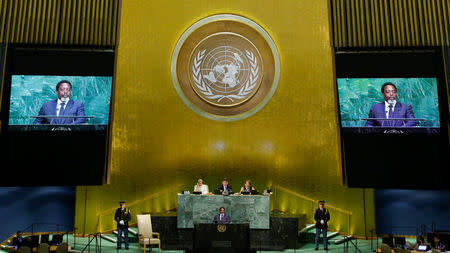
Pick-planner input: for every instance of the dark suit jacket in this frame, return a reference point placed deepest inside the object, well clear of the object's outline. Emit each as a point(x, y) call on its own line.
point(122, 215)
point(73, 108)
point(400, 111)
point(321, 215)
point(225, 220)
point(18, 242)
point(221, 189)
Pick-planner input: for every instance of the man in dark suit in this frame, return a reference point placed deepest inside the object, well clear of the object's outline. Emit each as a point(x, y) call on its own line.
point(225, 188)
point(222, 217)
point(122, 217)
point(391, 108)
point(63, 106)
point(321, 216)
point(18, 240)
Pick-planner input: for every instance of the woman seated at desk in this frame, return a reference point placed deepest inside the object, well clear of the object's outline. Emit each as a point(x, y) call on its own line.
point(247, 188)
point(419, 242)
point(200, 187)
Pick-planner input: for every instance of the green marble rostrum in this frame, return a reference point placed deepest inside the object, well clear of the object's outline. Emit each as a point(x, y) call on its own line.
point(253, 209)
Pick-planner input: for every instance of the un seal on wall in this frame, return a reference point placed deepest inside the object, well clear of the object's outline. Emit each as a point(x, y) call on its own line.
point(225, 67)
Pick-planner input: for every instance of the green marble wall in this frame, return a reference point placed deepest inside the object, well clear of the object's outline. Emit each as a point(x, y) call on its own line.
point(242, 209)
point(357, 95)
point(29, 93)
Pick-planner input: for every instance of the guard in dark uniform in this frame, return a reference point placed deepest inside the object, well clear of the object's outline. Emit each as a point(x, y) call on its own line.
point(122, 217)
point(321, 216)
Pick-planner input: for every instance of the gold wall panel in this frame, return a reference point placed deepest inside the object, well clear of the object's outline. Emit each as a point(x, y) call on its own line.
point(393, 23)
point(160, 146)
point(75, 22)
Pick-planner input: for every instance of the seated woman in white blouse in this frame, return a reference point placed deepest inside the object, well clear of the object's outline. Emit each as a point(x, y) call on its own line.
point(200, 187)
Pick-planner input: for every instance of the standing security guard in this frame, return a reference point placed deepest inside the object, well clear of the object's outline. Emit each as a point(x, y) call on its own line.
point(122, 217)
point(321, 216)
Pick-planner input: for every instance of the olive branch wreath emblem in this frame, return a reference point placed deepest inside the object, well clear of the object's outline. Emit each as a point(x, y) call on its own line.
point(206, 90)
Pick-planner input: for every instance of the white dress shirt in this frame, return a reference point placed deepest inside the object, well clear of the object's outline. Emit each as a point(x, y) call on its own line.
point(58, 106)
point(204, 189)
point(386, 108)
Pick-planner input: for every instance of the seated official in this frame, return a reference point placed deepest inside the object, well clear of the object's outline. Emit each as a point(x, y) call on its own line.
point(419, 241)
point(247, 187)
point(18, 241)
point(225, 188)
point(437, 244)
point(200, 187)
point(222, 217)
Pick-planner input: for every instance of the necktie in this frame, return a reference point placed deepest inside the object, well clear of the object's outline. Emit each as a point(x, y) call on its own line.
point(221, 216)
point(391, 115)
point(61, 112)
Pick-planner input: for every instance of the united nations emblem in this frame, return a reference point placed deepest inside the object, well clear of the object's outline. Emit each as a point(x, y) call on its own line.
point(225, 67)
point(221, 228)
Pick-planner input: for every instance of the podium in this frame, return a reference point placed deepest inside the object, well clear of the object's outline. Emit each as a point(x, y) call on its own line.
point(218, 238)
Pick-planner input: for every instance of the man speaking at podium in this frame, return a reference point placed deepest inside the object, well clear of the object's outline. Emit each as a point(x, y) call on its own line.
point(391, 108)
point(222, 217)
point(63, 106)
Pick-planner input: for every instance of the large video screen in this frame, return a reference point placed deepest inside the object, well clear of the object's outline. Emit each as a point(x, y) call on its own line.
point(56, 115)
point(62, 101)
point(389, 105)
point(394, 119)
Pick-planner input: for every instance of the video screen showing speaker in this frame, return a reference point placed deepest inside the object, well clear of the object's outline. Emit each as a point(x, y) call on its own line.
point(389, 105)
point(394, 118)
point(56, 115)
point(77, 103)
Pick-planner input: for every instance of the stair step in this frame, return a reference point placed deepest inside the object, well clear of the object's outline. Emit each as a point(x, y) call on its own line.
point(332, 234)
point(308, 228)
point(108, 238)
point(116, 233)
point(132, 231)
point(344, 239)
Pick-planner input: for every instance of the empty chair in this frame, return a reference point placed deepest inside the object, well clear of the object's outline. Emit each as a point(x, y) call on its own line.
point(24, 249)
point(146, 232)
point(57, 239)
point(435, 251)
point(43, 248)
point(399, 241)
point(45, 238)
point(62, 248)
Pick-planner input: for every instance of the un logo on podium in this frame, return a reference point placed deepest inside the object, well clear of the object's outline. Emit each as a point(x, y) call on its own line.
point(225, 67)
point(221, 228)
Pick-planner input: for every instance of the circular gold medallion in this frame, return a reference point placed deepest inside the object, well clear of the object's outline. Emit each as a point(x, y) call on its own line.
point(225, 67)
point(221, 228)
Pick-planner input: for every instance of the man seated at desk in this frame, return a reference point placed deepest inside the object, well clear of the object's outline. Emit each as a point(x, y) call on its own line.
point(222, 217)
point(225, 188)
point(18, 241)
point(437, 245)
point(200, 187)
